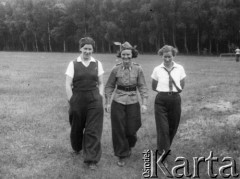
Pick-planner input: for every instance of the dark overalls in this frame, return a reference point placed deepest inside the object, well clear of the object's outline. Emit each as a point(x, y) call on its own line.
point(86, 112)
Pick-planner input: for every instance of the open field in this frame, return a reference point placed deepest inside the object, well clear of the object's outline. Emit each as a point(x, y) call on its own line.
point(34, 127)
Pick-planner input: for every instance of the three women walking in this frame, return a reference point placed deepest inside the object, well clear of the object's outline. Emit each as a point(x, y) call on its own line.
point(85, 91)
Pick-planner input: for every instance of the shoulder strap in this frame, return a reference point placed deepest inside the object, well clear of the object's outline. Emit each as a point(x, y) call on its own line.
point(178, 89)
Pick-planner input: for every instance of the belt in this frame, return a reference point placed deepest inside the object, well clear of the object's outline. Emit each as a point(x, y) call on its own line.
point(127, 88)
point(168, 93)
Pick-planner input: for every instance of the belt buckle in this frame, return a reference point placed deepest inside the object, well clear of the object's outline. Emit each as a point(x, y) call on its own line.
point(127, 88)
point(170, 93)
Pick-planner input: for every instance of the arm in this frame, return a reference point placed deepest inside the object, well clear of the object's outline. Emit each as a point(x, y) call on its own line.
point(69, 87)
point(182, 77)
point(154, 85)
point(142, 87)
point(182, 83)
point(110, 86)
point(101, 87)
point(100, 78)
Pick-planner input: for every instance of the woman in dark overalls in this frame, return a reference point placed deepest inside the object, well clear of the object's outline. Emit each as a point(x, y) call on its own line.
point(84, 88)
point(127, 77)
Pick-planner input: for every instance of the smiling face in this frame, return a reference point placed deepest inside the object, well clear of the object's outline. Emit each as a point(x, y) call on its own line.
point(167, 58)
point(87, 51)
point(126, 56)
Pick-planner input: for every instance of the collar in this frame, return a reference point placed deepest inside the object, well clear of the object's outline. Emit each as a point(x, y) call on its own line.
point(79, 59)
point(174, 65)
point(130, 67)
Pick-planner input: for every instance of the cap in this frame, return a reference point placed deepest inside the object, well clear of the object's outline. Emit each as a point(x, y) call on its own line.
point(126, 46)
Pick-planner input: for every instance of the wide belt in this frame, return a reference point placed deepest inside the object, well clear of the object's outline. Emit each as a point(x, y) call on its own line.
point(168, 93)
point(127, 88)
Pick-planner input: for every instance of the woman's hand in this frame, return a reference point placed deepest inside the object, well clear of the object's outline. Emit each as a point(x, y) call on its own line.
point(143, 108)
point(107, 108)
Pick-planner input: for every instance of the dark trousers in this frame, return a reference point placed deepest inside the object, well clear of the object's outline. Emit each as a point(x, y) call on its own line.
point(86, 120)
point(167, 116)
point(126, 120)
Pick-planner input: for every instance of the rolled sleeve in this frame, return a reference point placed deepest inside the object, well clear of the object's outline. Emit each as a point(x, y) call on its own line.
point(183, 74)
point(100, 69)
point(142, 86)
point(154, 75)
point(70, 70)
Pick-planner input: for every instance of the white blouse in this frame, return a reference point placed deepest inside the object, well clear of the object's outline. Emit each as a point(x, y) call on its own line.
point(161, 75)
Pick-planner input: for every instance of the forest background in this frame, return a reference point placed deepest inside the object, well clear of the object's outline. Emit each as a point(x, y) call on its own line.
point(193, 26)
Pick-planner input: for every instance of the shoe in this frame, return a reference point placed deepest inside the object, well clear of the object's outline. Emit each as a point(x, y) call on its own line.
point(92, 166)
point(121, 162)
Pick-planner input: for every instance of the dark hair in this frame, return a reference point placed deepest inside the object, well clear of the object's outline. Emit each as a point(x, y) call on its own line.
point(168, 48)
point(134, 53)
point(86, 40)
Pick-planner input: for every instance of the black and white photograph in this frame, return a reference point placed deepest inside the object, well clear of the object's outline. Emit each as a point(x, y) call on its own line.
point(119, 89)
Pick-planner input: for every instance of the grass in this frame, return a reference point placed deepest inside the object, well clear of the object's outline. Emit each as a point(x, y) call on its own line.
point(34, 127)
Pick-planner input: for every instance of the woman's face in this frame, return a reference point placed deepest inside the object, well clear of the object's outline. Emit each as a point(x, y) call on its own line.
point(126, 56)
point(87, 51)
point(167, 58)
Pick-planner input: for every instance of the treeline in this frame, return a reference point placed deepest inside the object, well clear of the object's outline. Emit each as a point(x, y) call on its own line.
point(193, 26)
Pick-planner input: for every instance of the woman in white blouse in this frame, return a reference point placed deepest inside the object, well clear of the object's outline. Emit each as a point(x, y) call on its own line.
point(168, 80)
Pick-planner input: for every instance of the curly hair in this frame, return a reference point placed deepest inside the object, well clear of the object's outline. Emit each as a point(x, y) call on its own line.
point(86, 40)
point(167, 48)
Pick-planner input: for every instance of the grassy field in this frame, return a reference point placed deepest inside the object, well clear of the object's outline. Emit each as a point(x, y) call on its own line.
point(34, 127)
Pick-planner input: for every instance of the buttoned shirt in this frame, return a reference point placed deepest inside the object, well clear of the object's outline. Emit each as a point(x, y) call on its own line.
point(161, 76)
point(70, 68)
point(132, 76)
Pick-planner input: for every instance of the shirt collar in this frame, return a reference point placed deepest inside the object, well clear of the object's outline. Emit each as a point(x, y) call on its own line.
point(174, 65)
point(130, 68)
point(79, 59)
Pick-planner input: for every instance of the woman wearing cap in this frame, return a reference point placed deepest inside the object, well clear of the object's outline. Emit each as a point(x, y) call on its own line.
point(168, 81)
point(127, 77)
point(84, 88)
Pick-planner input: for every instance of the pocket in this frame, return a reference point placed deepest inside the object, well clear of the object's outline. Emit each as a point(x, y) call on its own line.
point(96, 95)
point(133, 78)
point(119, 74)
